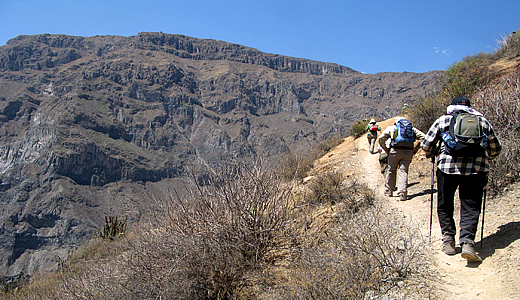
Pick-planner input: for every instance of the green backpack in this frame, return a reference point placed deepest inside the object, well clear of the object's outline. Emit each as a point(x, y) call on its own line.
point(465, 137)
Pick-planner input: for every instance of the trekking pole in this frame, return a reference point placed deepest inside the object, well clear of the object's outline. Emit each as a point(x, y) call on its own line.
point(431, 199)
point(483, 213)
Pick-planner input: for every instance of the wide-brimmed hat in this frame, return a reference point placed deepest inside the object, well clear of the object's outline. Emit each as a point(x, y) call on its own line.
point(372, 121)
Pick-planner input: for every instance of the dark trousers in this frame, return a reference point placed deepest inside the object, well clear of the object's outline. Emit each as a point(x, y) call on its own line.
point(471, 188)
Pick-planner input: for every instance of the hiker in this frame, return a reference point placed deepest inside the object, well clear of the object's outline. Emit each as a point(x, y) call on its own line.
point(372, 129)
point(468, 172)
point(402, 135)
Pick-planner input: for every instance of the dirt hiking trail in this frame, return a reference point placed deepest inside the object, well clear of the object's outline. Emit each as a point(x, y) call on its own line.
point(497, 277)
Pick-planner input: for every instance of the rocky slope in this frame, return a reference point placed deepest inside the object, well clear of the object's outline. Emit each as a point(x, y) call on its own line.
point(95, 126)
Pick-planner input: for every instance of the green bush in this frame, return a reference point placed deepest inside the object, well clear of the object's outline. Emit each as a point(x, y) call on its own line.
point(359, 128)
point(424, 111)
point(464, 77)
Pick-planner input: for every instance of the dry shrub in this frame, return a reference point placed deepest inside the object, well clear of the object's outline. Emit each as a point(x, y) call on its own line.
point(101, 280)
point(334, 187)
point(207, 245)
point(297, 164)
point(509, 46)
point(326, 188)
point(328, 144)
point(229, 237)
point(500, 104)
point(90, 272)
point(369, 254)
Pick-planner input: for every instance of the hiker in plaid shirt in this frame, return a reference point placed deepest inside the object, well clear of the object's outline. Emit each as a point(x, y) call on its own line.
point(469, 174)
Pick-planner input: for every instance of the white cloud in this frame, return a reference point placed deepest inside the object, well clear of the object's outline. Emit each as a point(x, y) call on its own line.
point(438, 50)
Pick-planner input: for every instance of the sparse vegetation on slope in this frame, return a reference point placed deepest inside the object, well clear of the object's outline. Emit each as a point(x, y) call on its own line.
point(243, 234)
point(491, 81)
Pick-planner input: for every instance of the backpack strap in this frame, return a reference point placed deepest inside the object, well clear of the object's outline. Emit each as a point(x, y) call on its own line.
point(451, 128)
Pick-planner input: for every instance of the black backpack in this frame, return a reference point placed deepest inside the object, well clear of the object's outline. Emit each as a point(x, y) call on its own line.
point(404, 137)
point(465, 137)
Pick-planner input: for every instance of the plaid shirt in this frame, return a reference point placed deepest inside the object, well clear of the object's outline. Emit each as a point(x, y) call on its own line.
point(460, 165)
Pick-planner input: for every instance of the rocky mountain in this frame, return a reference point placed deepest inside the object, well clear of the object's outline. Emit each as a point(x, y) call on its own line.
point(103, 125)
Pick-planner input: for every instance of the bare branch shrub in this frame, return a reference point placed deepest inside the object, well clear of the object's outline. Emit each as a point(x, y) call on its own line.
point(212, 243)
point(90, 272)
point(328, 144)
point(208, 244)
point(394, 245)
point(334, 187)
point(500, 104)
point(297, 164)
point(101, 280)
point(370, 253)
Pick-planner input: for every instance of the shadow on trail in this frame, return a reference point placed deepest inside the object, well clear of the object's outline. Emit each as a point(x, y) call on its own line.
point(506, 234)
point(423, 193)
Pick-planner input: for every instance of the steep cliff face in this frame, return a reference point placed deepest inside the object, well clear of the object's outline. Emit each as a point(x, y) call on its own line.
point(92, 126)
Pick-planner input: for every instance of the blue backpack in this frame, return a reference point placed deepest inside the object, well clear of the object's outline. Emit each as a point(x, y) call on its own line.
point(404, 137)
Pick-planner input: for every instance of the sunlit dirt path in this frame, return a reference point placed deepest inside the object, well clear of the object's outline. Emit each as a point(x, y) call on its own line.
point(455, 277)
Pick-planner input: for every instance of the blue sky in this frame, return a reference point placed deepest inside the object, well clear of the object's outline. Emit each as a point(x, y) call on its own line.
point(365, 35)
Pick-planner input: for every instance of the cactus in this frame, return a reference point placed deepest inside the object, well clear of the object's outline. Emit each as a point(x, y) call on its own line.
point(113, 227)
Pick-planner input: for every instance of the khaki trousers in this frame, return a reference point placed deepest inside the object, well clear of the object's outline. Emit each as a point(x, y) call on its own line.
point(398, 162)
point(372, 142)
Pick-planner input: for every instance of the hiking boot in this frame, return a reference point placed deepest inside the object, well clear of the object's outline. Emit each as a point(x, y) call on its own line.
point(388, 193)
point(449, 248)
point(402, 196)
point(468, 252)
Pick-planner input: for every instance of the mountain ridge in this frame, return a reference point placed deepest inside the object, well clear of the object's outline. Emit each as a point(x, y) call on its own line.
point(96, 126)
